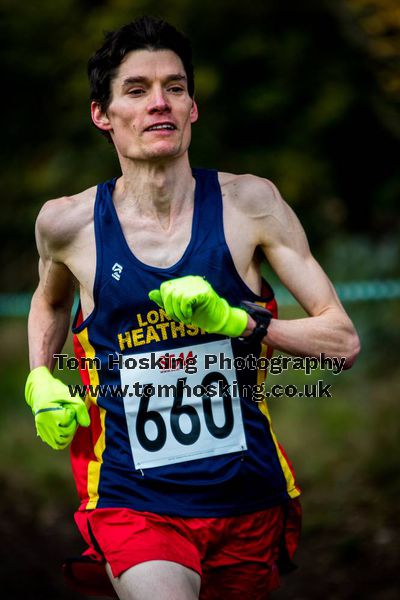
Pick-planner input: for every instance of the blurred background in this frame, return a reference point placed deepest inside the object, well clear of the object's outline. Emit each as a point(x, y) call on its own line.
point(306, 94)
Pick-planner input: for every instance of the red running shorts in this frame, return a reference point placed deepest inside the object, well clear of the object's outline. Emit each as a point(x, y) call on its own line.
point(236, 557)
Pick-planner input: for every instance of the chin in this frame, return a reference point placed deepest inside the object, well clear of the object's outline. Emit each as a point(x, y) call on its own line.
point(163, 151)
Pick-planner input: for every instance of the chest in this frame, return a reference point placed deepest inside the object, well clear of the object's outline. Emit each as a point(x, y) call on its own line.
point(162, 245)
point(156, 245)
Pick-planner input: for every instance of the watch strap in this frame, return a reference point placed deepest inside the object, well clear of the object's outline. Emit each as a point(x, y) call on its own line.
point(262, 316)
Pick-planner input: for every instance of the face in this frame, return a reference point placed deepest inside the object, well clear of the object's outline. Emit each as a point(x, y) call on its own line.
point(151, 112)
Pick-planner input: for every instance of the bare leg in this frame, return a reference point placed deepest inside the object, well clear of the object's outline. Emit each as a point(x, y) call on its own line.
point(156, 580)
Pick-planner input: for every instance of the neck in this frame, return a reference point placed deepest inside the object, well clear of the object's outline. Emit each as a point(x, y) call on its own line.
point(155, 189)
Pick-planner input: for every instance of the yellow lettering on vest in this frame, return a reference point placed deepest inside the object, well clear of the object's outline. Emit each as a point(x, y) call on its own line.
point(125, 340)
point(152, 335)
point(163, 327)
point(192, 330)
point(164, 316)
point(137, 336)
point(139, 320)
point(175, 327)
point(153, 317)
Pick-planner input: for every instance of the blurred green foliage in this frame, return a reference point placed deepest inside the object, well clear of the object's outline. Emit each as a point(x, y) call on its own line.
point(304, 94)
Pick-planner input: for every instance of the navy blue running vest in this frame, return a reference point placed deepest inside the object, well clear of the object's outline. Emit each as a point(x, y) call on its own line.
point(175, 426)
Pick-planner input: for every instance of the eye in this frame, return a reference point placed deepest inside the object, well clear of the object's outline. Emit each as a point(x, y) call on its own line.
point(176, 89)
point(136, 92)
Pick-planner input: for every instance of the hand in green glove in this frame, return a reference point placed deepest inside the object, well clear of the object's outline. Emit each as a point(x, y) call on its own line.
point(191, 299)
point(57, 414)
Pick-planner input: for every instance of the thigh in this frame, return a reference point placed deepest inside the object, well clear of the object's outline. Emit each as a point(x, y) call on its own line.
point(244, 565)
point(240, 582)
point(156, 579)
point(124, 538)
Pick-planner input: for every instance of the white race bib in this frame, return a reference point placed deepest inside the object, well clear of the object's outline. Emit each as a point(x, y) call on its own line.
point(188, 418)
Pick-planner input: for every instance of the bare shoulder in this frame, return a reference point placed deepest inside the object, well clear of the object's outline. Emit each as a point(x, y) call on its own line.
point(257, 202)
point(251, 195)
point(62, 220)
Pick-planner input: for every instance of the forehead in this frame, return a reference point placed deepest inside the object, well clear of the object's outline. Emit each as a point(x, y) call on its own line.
point(152, 64)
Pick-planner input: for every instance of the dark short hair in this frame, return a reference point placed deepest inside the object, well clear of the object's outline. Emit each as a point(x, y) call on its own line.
point(145, 33)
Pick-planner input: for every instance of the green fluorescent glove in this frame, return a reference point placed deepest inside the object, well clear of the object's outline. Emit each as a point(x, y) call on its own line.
point(57, 414)
point(192, 300)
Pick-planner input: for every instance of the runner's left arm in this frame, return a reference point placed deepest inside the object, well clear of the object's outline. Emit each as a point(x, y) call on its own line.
point(327, 328)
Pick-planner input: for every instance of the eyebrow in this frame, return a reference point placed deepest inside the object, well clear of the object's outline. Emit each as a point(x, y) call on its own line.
point(141, 79)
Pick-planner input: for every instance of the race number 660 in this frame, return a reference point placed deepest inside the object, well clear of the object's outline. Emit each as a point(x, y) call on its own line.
point(178, 409)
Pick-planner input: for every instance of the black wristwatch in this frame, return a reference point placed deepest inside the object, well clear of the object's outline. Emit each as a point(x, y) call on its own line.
point(262, 317)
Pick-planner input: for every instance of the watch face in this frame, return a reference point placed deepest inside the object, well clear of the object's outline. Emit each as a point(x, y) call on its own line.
point(255, 309)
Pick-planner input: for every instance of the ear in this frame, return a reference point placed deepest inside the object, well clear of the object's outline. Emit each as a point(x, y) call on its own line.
point(99, 118)
point(194, 112)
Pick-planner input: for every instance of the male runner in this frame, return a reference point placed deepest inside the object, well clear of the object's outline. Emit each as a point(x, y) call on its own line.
point(183, 496)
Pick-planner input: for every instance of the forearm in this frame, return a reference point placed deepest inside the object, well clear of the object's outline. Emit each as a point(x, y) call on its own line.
point(191, 299)
point(47, 329)
point(329, 333)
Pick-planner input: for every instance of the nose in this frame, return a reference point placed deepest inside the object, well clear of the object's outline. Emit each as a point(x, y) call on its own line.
point(158, 101)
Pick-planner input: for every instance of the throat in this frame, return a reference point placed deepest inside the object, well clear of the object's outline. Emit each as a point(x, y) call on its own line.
point(164, 220)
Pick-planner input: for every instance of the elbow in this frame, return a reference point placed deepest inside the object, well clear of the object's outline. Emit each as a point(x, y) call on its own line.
point(352, 349)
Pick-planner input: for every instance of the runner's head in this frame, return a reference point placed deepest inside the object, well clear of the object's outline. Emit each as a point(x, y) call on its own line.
point(145, 33)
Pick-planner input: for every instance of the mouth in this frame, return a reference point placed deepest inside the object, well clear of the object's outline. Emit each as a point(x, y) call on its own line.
point(164, 126)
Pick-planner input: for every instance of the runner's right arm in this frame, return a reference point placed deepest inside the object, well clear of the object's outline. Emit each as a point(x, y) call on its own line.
point(57, 415)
